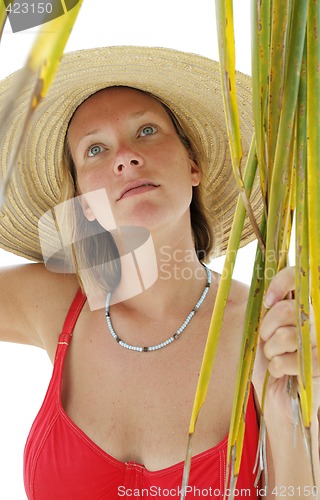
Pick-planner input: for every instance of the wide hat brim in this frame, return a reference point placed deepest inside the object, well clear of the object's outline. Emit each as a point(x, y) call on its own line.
point(189, 84)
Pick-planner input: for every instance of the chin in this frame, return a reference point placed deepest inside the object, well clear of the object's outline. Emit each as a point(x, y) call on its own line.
point(145, 215)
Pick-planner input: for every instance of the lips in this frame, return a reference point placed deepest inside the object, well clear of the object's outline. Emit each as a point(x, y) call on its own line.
point(139, 183)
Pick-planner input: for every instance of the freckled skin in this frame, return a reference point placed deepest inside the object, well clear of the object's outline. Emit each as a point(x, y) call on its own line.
point(126, 156)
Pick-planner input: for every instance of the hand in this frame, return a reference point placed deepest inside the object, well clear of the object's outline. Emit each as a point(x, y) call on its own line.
point(277, 350)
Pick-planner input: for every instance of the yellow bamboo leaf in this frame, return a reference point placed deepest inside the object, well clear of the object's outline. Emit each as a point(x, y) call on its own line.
point(47, 51)
point(222, 294)
point(218, 311)
point(4, 14)
point(38, 73)
point(247, 356)
point(224, 15)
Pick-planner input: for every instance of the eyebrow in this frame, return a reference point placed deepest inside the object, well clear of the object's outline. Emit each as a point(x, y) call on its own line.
point(92, 132)
point(136, 114)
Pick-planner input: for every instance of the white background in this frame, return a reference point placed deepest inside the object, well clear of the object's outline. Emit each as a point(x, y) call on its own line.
point(181, 24)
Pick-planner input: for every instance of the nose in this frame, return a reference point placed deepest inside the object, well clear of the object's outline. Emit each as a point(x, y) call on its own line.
point(126, 158)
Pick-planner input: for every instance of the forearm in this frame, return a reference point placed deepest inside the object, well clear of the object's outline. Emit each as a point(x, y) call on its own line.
point(289, 463)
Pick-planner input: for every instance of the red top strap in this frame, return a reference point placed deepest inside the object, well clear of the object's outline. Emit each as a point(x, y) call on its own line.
point(73, 313)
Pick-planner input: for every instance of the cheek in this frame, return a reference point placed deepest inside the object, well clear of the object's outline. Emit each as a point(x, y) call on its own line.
point(92, 179)
point(181, 171)
point(96, 205)
point(174, 158)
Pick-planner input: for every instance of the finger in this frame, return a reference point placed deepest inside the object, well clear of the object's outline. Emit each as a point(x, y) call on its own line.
point(282, 314)
point(315, 362)
point(283, 341)
point(282, 283)
point(286, 364)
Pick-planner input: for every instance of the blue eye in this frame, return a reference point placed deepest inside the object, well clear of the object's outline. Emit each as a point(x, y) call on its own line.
point(148, 130)
point(94, 150)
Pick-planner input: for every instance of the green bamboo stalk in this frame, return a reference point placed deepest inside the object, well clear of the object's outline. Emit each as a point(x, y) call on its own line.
point(303, 405)
point(277, 110)
point(279, 175)
point(288, 209)
point(245, 368)
point(280, 32)
point(235, 458)
point(261, 19)
point(284, 237)
point(302, 258)
point(287, 29)
point(282, 173)
point(261, 457)
point(313, 134)
point(39, 71)
point(218, 311)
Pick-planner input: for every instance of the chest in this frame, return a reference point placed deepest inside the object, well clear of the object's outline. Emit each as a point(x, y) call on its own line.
point(137, 406)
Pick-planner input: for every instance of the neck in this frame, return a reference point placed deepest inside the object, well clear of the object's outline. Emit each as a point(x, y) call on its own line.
point(172, 337)
point(155, 269)
point(166, 269)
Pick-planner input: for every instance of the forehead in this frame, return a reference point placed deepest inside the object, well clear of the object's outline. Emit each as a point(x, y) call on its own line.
point(117, 100)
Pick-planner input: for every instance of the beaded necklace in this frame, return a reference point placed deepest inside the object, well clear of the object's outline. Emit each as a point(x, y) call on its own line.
point(170, 339)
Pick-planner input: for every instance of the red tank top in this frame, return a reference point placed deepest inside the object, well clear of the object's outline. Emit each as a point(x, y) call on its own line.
point(62, 463)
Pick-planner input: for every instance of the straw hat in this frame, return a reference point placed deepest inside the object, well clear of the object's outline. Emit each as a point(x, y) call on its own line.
point(189, 84)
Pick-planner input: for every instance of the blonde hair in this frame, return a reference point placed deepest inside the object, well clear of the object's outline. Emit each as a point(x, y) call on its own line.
point(100, 252)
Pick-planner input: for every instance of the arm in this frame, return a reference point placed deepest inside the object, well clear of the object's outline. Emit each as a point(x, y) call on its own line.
point(16, 307)
point(290, 467)
point(290, 471)
point(33, 303)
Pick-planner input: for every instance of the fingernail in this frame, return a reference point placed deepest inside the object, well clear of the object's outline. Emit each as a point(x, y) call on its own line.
point(269, 299)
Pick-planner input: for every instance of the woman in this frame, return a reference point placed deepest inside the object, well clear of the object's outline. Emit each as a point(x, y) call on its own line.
point(137, 135)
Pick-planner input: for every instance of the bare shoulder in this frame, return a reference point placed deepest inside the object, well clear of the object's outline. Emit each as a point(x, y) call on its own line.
point(234, 315)
point(34, 285)
point(238, 293)
point(33, 302)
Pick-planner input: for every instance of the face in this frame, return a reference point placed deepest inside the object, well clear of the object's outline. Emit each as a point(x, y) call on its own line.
point(124, 144)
